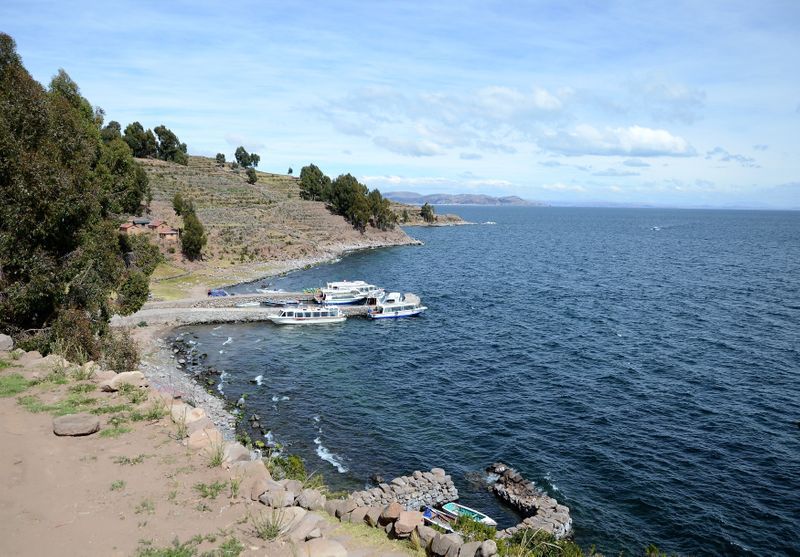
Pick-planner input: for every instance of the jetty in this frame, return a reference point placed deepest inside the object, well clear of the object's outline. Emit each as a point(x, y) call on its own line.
point(221, 309)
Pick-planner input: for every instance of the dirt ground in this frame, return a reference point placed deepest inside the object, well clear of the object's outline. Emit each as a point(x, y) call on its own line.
point(123, 490)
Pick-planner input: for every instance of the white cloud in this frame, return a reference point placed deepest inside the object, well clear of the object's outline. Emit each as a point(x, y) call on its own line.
point(470, 156)
point(636, 163)
point(720, 154)
point(635, 141)
point(409, 147)
point(560, 186)
point(613, 172)
point(250, 144)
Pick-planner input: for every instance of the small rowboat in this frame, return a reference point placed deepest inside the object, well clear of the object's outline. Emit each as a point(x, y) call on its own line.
point(439, 518)
point(456, 510)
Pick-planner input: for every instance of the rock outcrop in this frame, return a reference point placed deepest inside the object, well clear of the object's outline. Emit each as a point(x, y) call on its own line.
point(543, 512)
point(6, 343)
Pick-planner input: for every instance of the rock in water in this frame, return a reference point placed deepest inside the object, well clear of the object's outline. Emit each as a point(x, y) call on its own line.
point(76, 424)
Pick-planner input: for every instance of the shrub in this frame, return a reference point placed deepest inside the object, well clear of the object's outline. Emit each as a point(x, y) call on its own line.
point(252, 177)
point(133, 293)
point(73, 337)
point(119, 351)
point(193, 239)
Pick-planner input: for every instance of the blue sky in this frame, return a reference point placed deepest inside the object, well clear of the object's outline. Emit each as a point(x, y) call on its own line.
point(673, 103)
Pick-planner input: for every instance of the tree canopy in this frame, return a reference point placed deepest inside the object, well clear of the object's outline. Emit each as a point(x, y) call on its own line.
point(347, 197)
point(63, 178)
point(163, 144)
point(245, 159)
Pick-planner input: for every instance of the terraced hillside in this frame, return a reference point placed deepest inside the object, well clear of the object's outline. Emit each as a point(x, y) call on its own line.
point(255, 222)
point(253, 229)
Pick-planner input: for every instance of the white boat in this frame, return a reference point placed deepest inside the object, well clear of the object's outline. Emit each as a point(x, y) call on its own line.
point(455, 510)
point(394, 305)
point(248, 304)
point(308, 315)
point(346, 292)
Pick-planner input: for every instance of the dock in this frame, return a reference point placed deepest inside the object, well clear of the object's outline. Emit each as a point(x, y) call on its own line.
point(218, 310)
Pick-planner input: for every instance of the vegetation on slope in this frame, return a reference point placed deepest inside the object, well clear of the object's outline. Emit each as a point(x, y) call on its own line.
point(63, 266)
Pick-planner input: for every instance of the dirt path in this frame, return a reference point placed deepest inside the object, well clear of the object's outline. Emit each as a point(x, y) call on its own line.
point(130, 487)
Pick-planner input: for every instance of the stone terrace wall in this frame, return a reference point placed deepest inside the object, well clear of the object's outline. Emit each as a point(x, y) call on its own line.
point(412, 492)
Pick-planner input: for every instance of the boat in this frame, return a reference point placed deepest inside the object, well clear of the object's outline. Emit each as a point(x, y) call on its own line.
point(269, 290)
point(438, 518)
point(346, 292)
point(248, 304)
point(456, 510)
point(308, 315)
point(394, 305)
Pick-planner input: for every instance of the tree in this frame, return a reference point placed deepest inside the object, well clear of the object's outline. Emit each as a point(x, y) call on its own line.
point(169, 146)
point(252, 177)
point(290, 171)
point(193, 237)
point(61, 261)
point(111, 132)
point(142, 143)
point(426, 212)
point(133, 292)
point(246, 159)
point(177, 203)
point(242, 156)
point(314, 185)
point(220, 159)
point(405, 215)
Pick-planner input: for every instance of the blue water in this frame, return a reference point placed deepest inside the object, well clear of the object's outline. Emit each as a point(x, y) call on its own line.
point(647, 378)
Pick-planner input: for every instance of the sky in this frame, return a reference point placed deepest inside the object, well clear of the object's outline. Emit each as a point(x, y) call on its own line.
point(666, 103)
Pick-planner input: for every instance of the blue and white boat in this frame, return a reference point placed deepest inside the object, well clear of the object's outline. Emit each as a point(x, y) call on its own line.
point(346, 292)
point(394, 305)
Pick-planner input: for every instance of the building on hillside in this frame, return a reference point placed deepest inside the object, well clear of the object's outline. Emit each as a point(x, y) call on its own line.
point(142, 225)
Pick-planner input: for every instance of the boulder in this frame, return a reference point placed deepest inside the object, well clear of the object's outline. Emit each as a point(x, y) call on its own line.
point(446, 545)
point(357, 515)
point(208, 439)
point(322, 547)
point(391, 512)
point(345, 506)
point(438, 472)
point(331, 506)
point(203, 423)
point(30, 357)
point(311, 499)
point(426, 535)
point(301, 530)
point(234, 452)
point(406, 523)
point(251, 469)
point(277, 497)
point(257, 488)
point(6, 343)
point(488, 549)
point(54, 360)
point(373, 517)
point(133, 378)
point(469, 549)
point(183, 413)
point(103, 376)
point(76, 424)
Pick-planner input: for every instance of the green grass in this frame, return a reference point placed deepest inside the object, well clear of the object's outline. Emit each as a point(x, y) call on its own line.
point(4, 364)
point(115, 431)
point(231, 547)
point(73, 404)
point(82, 388)
point(133, 394)
point(210, 491)
point(145, 507)
point(267, 526)
point(118, 485)
point(129, 461)
point(216, 457)
point(12, 384)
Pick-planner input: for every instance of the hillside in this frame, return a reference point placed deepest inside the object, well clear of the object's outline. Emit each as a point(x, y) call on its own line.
point(253, 229)
point(413, 198)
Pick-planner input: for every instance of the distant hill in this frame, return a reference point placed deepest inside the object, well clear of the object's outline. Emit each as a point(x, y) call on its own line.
point(412, 198)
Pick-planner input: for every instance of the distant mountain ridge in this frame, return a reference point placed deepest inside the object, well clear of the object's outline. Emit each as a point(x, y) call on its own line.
point(413, 198)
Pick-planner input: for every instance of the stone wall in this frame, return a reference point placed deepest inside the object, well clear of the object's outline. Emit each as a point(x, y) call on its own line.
point(411, 492)
point(542, 511)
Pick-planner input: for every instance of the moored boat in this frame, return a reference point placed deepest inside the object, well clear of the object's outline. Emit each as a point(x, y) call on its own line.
point(345, 292)
point(442, 520)
point(308, 315)
point(394, 305)
point(456, 510)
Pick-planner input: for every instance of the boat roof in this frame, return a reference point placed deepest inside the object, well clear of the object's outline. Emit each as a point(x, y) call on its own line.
point(348, 284)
